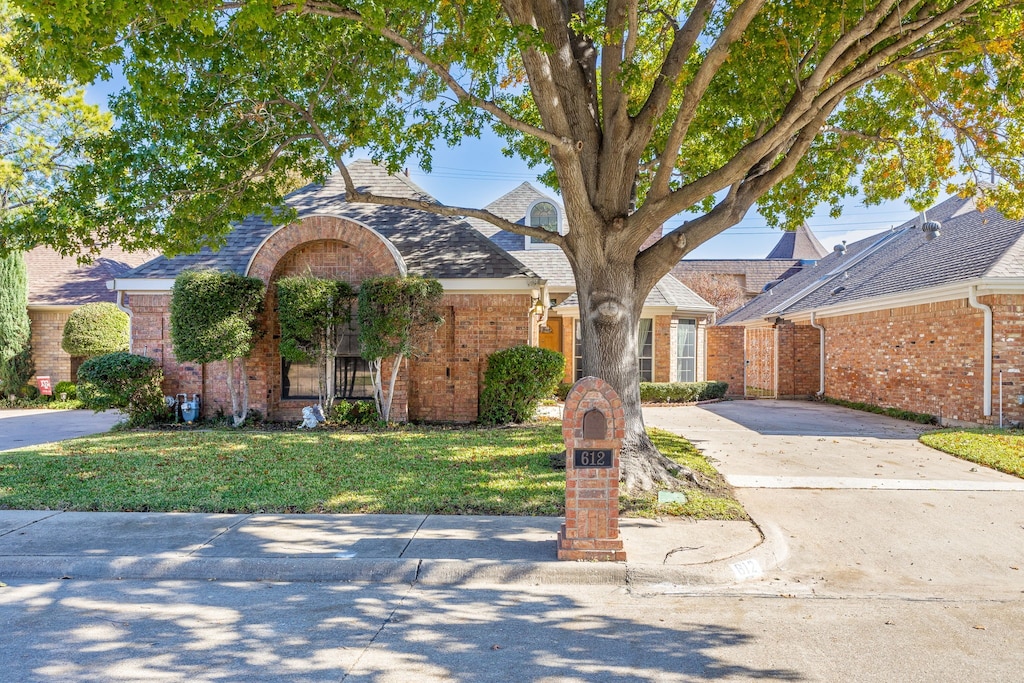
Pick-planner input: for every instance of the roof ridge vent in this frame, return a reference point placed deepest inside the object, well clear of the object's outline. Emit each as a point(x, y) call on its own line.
point(931, 229)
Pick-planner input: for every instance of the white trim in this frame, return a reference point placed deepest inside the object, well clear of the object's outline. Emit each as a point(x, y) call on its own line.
point(646, 312)
point(399, 261)
point(972, 299)
point(931, 295)
point(528, 242)
point(147, 285)
point(821, 354)
point(487, 285)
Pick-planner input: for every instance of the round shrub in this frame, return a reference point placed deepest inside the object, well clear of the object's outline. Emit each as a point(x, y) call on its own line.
point(517, 379)
point(65, 388)
point(125, 381)
point(95, 329)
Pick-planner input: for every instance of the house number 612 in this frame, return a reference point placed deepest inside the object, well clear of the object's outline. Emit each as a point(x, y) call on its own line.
point(592, 457)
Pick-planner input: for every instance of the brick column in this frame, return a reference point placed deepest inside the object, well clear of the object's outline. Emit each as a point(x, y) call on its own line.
point(593, 426)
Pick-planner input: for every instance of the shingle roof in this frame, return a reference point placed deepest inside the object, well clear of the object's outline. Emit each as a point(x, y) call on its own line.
point(972, 245)
point(798, 244)
point(54, 280)
point(755, 272)
point(431, 245)
point(668, 291)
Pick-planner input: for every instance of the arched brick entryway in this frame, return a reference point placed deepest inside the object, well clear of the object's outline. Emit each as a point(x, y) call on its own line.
point(329, 247)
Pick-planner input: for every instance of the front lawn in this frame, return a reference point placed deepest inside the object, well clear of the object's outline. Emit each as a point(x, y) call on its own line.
point(410, 470)
point(1001, 449)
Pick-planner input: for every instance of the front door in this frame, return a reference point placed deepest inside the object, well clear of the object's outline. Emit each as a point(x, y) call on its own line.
point(551, 335)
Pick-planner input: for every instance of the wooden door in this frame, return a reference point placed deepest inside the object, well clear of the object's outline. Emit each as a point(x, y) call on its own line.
point(552, 338)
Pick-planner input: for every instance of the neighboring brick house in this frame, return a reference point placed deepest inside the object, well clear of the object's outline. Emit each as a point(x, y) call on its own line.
point(58, 285)
point(487, 305)
point(793, 252)
point(673, 320)
point(910, 319)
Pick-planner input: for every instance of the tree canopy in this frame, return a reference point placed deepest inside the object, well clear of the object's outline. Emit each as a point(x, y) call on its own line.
point(44, 123)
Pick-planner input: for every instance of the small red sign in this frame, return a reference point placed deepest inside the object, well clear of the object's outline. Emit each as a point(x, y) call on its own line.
point(45, 388)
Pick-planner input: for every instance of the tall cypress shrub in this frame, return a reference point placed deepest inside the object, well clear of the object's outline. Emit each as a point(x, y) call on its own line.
point(15, 355)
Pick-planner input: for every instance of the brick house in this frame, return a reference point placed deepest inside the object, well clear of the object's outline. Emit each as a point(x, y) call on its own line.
point(488, 301)
point(913, 318)
point(57, 285)
point(793, 252)
point(673, 321)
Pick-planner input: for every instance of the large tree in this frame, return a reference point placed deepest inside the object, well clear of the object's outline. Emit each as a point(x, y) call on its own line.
point(43, 124)
point(637, 112)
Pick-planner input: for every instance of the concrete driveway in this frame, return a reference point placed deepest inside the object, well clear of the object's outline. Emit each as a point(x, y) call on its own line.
point(859, 503)
point(20, 428)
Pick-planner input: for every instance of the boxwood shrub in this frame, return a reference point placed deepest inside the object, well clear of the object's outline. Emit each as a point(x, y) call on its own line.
point(517, 379)
point(125, 381)
point(681, 392)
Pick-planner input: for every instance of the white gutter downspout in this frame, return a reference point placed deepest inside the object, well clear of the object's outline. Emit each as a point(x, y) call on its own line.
point(119, 302)
point(821, 353)
point(972, 298)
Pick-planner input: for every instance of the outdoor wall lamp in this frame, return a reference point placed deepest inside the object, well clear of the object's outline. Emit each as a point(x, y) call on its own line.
point(537, 307)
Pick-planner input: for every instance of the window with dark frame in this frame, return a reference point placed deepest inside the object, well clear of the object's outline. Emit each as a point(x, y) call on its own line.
point(352, 378)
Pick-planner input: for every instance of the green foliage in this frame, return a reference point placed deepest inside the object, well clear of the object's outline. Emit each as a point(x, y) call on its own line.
point(95, 329)
point(14, 323)
point(681, 392)
point(16, 372)
point(354, 413)
point(396, 317)
point(314, 314)
point(562, 390)
point(397, 314)
point(1001, 449)
point(46, 122)
point(516, 381)
point(311, 311)
point(125, 381)
point(214, 315)
point(65, 387)
point(909, 415)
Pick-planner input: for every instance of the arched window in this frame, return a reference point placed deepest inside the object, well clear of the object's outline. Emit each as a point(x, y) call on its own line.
point(542, 214)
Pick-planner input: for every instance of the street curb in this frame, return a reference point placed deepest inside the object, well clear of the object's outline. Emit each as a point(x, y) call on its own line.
point(750, 564)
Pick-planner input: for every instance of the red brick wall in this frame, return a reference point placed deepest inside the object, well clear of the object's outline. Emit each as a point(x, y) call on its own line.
point(664, 357)
point(799, 361)
point(926, 358)
point(1007, 354)
point(725, 357)
point(47, 329)
point(445, 383)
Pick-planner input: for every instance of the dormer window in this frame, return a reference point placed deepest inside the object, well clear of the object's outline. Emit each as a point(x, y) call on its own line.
point(542, 214)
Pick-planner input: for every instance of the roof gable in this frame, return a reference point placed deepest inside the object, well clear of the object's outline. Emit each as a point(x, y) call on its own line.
point(798, 244)
point(431, 245)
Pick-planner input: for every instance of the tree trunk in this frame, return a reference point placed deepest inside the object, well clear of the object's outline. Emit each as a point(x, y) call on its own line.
point(610, 306)
point(244, 389)
point(232, 390)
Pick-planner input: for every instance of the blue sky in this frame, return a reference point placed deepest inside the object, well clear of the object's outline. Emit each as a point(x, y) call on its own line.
point(476, 173)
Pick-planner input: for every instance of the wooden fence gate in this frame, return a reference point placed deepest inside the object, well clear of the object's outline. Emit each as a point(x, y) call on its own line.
point(761, 362)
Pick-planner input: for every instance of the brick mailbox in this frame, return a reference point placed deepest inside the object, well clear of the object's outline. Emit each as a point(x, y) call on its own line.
point(593, 426)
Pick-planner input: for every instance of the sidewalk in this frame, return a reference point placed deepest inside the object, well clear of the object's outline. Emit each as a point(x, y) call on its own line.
point(423, 549)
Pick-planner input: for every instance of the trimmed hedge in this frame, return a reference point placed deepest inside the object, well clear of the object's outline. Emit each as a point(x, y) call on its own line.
point(65, 387)
point(125, 381)
point(95, 329)
point(909, 415)
point(681, 392)
point(667, 392)
point(515, 382)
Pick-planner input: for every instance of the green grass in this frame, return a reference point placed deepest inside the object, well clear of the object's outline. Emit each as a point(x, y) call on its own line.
point(1001, 449)
point(410, 470)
